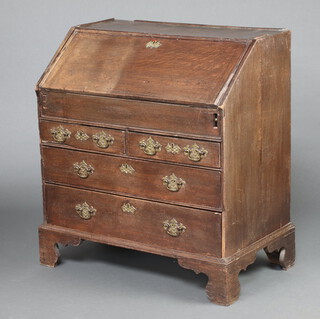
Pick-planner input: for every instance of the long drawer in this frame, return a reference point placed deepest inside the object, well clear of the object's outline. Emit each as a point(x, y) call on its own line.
point(145, 179)
point(132, 219)
point(174, 118)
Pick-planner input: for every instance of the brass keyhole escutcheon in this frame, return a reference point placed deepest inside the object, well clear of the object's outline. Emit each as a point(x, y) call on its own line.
point(128, 208)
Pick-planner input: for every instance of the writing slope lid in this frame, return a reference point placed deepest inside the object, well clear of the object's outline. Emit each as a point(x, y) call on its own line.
point(180, 70)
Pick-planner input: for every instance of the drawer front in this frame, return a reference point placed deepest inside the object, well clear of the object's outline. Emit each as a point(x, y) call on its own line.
point(179, 150)
point(131, 113)
point(151, 223)
point(82, 137)
point(145, 179)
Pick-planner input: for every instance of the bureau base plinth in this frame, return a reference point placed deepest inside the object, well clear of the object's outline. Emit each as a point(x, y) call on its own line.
point(223, 285)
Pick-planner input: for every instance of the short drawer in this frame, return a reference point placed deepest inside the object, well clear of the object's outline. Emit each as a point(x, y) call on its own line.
point(142, 221)
point(82, 137)
point(145, 179)
point(179, 150)
point(173, 118)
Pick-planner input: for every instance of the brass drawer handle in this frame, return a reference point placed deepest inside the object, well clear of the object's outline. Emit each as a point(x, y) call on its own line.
point(60, 134)
point(128, 208)
point(103, 140)
point(174, 228)
point(195, 153)
point(83, 169)
point(85, 211)
point(173, 183)
point(150, 146)
point(126, 168)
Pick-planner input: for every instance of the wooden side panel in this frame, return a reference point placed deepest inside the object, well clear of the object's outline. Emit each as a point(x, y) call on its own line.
point(257, 145)
point(202, 234)
point(276, 129)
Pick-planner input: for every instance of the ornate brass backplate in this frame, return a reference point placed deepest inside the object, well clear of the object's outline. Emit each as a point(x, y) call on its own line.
point(81, 136)
point(173, 148)
point(153, 44)
point(103, 140)
point(195, 153)
point(128, 208)
point(150, 146)
point(60, 134)
point(83, 169)
point(126, 168)
point(173, 227)
point(173, 183)
point(85, 211)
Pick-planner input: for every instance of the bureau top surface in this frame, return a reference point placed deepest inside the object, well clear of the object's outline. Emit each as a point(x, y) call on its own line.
point(176, 63)
point(181, 29)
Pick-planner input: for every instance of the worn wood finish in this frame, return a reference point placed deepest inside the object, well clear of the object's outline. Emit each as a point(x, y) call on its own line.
point(223, 285)
point(124, 67)
point(201, 189)
point(176, 119)
point(178, 30)
point(256, 158)
point(226, 89)
point(48, 245)
point(144, 225)
point(175, 152)
point(282, 251)
point(77, 141)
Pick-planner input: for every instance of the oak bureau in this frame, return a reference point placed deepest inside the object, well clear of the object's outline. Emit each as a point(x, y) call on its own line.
point(172, 139)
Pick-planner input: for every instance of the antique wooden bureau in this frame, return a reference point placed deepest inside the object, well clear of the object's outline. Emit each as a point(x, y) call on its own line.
point(172, 139)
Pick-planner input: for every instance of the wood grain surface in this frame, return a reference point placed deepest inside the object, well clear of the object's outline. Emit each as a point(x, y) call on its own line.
point(202, 187)
point(122, 65)
point(145, 225)
point(195, 121)
point(117, 146)
point(211, 159)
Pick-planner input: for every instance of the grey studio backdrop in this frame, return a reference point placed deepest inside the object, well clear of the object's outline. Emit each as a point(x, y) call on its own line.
point(98, 281)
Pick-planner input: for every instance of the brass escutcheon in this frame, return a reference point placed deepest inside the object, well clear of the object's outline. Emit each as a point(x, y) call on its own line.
point(153, 44)
point(81, 136)
point(195, 153)
point(150, 146)
point(173, 183)
point(173, 228)
point(128, 208)
point(103, 140)
point(126, 168)
point(83, 169)
point(173, 148)
point(85, 211)
point(60, 134)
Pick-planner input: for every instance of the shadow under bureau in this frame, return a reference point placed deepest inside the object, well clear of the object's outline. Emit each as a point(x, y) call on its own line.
point(172, 139)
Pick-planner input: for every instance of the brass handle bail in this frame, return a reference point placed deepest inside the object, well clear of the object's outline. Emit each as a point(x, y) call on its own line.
point(83, 169)
point(173, 227)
